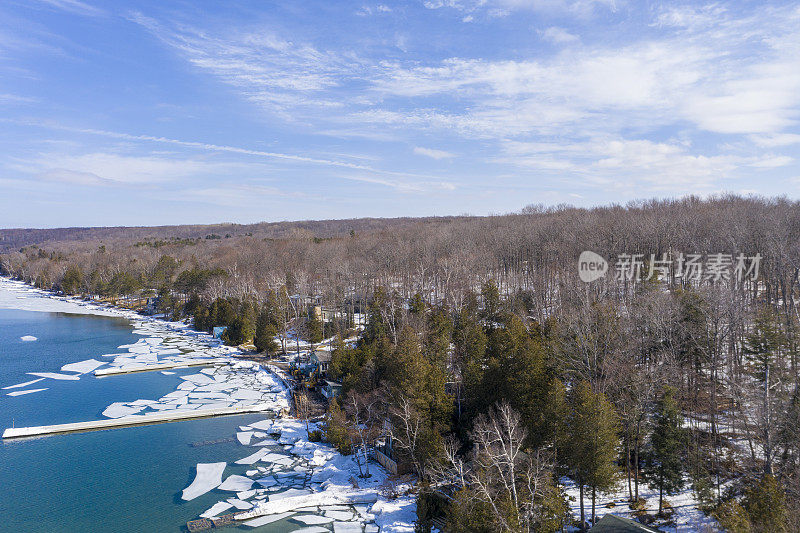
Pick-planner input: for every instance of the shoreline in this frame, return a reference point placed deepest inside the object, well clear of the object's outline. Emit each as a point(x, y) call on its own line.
point(327, 475)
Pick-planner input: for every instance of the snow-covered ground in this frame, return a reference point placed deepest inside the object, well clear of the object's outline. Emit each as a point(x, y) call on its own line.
point(687, 516)
point(17, 295)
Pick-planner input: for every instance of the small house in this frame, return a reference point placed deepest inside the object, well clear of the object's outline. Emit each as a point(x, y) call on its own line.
point(331, 389)
point(615, 524)
point(321, 359)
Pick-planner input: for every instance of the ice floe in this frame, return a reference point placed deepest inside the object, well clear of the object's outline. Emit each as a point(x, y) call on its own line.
point(118, 410)
point(254, 458)
point(28, 338)
point(27, 391)
point(208, 477)
point(264, 520)
point(240, 504)
point(54, 375)
point(216, 509)
point(83, 367)
point(235, 483)
point(25, 384)
point(243, 437)
point(311, 520)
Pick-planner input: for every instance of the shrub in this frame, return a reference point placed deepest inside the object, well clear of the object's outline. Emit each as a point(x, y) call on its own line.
point(732, 517)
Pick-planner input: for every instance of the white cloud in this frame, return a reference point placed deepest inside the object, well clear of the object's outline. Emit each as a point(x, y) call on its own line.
point(557, 35)
point(776, 140)
point(433, 153)
point(695, 71)
point(655, 167)
point(403, 186)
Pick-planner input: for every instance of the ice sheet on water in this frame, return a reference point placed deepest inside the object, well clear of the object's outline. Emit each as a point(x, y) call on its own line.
point(171, 351)
point(246, 394)
point(236, 483)
point(198, 379)
point(208, 477)
point(312, 520)
point(83, 367)
point(340, 515)
point(216, 509)
point(54, 375)
point(250, 459)
point(240, 504)
point(264, 520)
point(143, 402)
point(118, 410)
point(245, 494)
point(20, 385)
point(346, 527)
point(266, 425)
point(28, 338)
point(291, 493)
point(164, 406)
point(266, 442)
point(167, 372)
point(244, 437)
point(21, 392)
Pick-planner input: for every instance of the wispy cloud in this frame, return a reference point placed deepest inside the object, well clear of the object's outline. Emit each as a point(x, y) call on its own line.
point(74, 6)
point(113, 169)
point(433, 153)
point(557, 35)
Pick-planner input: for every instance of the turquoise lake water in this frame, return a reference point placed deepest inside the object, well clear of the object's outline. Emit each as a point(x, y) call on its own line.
point(122, 480)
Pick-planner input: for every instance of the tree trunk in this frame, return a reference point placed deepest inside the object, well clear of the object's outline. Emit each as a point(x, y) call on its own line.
point(768, 424)
point(594, 499)
point(628, 465)
point(583, 514)
point(636, 461)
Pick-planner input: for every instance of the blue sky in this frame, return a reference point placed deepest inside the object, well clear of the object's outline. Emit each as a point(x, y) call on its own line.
point(144, 113)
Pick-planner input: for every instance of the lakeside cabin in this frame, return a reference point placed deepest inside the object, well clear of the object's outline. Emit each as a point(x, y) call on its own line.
point(616, 524)
point(331, 389)
point(321, 360)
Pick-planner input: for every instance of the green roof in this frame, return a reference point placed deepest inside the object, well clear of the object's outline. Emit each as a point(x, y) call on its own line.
point(614, 524)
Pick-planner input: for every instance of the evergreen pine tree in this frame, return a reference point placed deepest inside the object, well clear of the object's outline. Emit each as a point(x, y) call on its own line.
point(664, 461)
point(590, 443)
point(266, 329)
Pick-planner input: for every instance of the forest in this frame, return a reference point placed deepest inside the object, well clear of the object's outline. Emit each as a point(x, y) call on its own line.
point(501, 377)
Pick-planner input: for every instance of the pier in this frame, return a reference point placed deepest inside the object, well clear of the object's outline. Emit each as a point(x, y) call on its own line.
point(132, 420)
point(102, 372)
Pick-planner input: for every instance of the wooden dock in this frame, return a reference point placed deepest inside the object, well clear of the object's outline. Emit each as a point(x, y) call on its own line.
point(132, 420)
point(101, 372)
point(204, 524)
